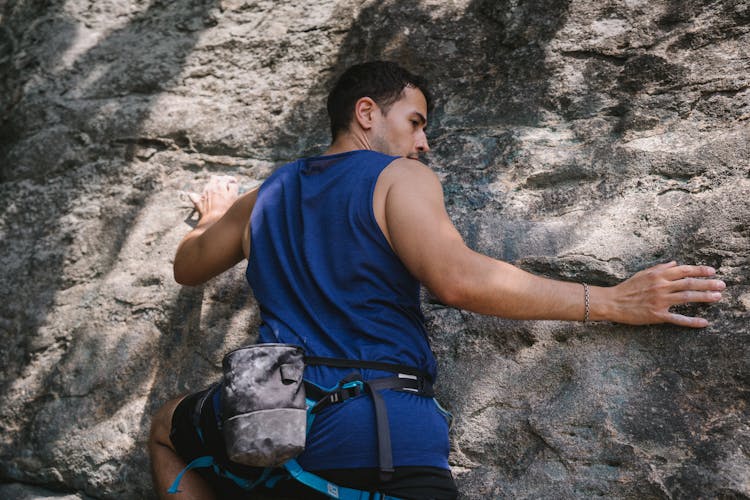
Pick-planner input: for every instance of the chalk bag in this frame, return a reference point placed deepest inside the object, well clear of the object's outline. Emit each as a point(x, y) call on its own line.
point(263, 408)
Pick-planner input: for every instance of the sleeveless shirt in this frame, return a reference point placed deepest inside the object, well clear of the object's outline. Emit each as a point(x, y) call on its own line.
point(326, 279)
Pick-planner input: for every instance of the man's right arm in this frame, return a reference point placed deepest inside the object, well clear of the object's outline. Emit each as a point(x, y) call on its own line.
point(424, 238)
point(220, 240)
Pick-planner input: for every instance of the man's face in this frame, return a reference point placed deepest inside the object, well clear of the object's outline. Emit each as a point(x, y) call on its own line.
point(400, 132)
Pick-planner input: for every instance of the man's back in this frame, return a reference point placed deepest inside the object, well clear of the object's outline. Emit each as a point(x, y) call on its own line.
point(326, 279)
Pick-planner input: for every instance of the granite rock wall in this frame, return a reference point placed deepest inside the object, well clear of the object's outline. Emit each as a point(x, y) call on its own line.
point(580, 140)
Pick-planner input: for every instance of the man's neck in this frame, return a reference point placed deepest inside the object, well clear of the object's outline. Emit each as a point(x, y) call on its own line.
point(345, 143)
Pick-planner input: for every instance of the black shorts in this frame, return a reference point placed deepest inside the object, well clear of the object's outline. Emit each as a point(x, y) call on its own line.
point(407, 482)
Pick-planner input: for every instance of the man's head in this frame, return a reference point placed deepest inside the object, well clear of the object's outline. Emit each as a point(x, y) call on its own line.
point(385, 103)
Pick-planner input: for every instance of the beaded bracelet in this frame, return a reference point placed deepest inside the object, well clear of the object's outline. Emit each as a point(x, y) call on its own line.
point(586, 302)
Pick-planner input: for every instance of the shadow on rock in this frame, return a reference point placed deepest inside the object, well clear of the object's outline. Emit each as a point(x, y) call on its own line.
point(73, 102)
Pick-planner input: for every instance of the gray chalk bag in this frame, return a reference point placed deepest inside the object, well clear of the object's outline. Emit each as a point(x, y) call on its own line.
point(264, 417)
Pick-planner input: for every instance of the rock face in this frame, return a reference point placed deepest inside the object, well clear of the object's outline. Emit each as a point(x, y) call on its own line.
point(582, 140)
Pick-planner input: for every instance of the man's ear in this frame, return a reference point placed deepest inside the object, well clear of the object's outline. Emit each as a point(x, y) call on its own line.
point(364, 112)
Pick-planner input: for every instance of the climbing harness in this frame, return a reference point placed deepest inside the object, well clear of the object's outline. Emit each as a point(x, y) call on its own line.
point(316, 399)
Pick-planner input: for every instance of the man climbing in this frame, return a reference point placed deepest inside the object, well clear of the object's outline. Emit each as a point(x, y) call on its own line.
point(337, 246)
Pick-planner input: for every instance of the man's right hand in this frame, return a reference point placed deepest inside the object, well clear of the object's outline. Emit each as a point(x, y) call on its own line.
point(220, 239)
point(217, 196)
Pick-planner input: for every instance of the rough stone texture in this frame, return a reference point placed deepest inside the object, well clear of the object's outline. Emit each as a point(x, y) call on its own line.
point(16, 491)
point(579, 139)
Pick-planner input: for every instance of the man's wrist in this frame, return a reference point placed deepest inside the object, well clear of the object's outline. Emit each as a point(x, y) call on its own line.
point(602, 303)
point(207, 220)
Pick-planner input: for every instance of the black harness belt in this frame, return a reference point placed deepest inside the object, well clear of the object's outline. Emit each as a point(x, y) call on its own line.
point(407, 379)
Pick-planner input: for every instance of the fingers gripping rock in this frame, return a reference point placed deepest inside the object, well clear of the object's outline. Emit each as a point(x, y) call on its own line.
point(218, 195)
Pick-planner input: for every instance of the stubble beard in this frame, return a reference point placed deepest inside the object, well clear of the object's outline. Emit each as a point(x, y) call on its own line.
point(379, 143)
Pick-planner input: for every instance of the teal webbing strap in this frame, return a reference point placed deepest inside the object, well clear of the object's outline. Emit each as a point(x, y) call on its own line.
point(246, 484)
point(327, 488)
point(206, 461)
point(275, 478)
point(310, 415)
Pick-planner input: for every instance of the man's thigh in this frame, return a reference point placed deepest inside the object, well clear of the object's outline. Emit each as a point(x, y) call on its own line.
point(161, 423)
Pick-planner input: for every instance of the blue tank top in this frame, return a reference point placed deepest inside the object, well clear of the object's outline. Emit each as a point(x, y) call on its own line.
point(326, 279)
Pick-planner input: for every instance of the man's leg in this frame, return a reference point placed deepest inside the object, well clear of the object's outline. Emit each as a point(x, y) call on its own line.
point(166, 463)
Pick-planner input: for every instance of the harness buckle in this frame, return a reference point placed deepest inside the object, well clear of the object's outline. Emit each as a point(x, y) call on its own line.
point(350, 390)
point(418, 382)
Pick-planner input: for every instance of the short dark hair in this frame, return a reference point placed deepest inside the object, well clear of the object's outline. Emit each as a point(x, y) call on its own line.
point(381, 81)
